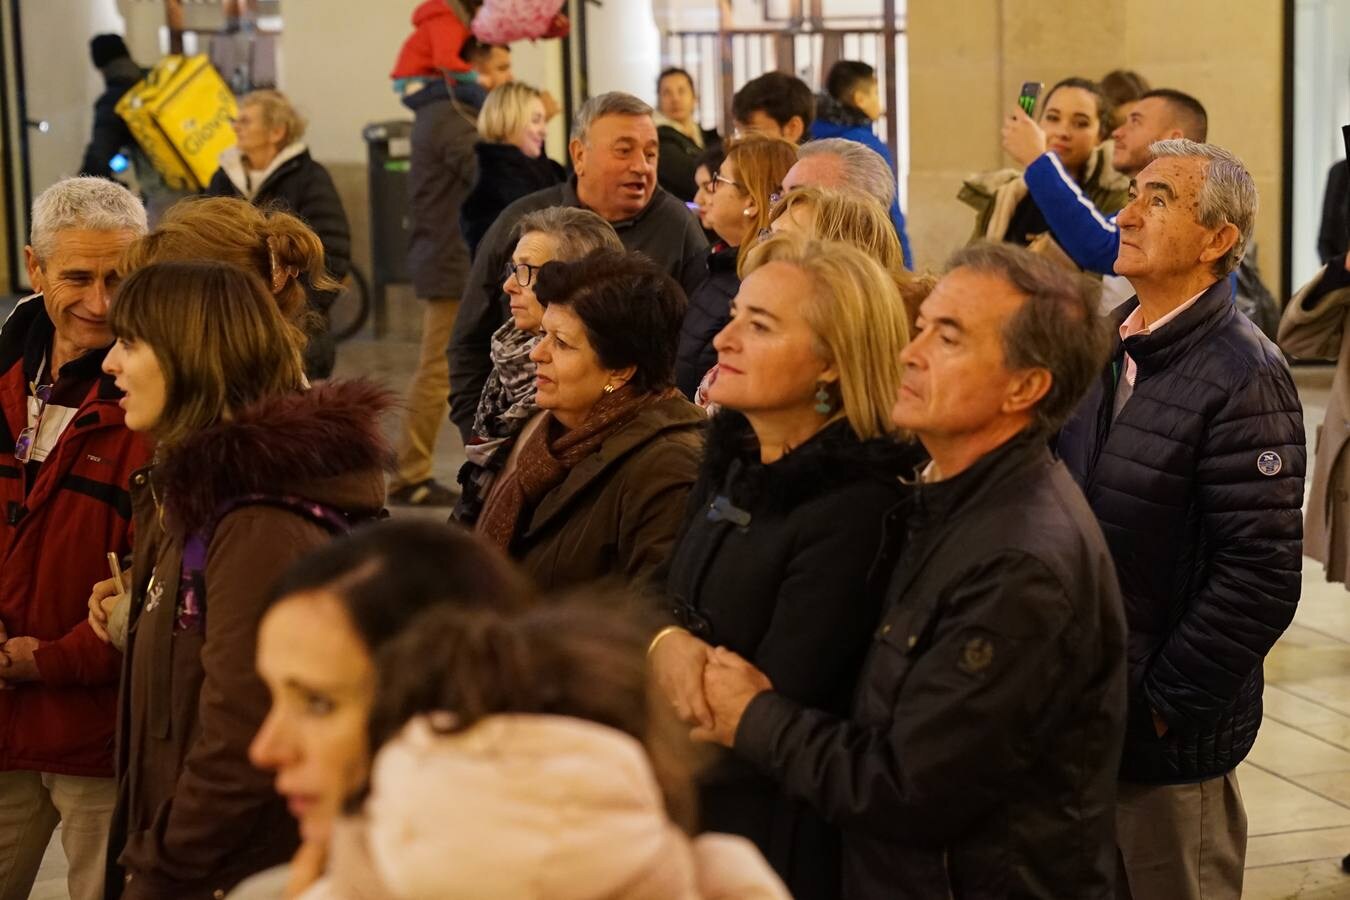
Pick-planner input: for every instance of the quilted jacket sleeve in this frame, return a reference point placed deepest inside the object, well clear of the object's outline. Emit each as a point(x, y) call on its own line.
point(1249, 483)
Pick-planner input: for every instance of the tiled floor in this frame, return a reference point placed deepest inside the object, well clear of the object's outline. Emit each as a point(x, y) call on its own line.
point(1296, 783)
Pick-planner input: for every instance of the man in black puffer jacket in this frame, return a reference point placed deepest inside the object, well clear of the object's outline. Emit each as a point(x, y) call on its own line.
point(1191, 453)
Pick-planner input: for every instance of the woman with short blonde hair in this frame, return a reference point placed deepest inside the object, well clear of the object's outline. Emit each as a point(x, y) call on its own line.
point(511, 160)
point(776, 558)
point(826, 215)
point(854, 311)
point(506, 111)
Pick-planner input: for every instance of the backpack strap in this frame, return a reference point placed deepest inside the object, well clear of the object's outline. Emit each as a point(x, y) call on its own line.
point(190, 614)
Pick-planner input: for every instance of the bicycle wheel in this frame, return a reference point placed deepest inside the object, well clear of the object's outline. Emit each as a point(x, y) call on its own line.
point(351, 308)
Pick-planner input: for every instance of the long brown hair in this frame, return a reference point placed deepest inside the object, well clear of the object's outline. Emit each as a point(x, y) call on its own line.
point(218, 336)
point(761, 162)
point(276, 246)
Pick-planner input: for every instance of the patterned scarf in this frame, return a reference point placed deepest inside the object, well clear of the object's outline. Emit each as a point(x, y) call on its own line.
point(507, 402)
point(550, 452)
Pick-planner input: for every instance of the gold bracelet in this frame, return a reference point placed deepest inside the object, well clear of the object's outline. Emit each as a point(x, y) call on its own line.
point(664, 633)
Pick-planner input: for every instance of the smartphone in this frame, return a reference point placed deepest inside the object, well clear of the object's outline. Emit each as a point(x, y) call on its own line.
point(1031, 92)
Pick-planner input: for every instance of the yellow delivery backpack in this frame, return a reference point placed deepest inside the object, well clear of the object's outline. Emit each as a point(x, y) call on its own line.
point(180, 115)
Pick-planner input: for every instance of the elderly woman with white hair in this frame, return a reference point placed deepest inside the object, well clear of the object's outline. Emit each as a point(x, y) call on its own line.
point(271, 167)
point(511, 160)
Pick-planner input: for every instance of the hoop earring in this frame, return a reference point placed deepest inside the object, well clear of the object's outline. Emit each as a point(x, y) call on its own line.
point(823, 404)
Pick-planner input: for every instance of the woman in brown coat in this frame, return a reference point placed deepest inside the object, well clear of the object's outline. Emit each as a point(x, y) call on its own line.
point(251, 471)
point(596, 483)
point(1314, 327)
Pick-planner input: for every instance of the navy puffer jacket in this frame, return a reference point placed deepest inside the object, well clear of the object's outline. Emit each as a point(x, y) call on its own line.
point(1198, 485)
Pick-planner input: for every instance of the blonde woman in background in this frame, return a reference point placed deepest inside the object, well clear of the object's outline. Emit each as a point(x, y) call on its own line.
point(856, 219)
point(511, 160)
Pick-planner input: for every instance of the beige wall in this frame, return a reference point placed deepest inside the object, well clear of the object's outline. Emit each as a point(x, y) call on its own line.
point(335, 63)
point(968, 58)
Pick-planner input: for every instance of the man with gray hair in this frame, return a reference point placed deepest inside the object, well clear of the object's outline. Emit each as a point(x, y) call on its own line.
point(64, 472)
point(847, 165)
point(980, 756)
point(1191, 452)
point(614, 149)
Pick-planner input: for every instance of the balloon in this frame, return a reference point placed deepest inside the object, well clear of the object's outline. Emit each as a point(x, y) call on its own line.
point(504, 21)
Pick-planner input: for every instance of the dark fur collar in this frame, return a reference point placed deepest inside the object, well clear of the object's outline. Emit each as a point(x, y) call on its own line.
point(331, 430)
point(833, 457)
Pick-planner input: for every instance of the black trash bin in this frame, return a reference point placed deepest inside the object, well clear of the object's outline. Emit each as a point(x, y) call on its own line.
point(388, 147)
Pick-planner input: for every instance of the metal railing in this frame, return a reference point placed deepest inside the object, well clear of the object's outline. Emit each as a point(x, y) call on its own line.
point(721, 61)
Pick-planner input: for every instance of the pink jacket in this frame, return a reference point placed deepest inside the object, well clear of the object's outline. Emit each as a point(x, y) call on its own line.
point(529, 808)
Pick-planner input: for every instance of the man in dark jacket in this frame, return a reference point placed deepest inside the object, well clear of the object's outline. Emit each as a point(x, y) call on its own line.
point(1333, 236)
point(442, 174)
point(110, 136)
point(66, 461)
point(1191, 451)
point(980, 756)
point(614, 151)
point(847, 109)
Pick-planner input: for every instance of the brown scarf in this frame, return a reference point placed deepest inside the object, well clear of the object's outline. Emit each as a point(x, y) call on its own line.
point(550, 453)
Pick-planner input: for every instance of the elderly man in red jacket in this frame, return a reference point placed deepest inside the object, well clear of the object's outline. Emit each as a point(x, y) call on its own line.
point(65, 460)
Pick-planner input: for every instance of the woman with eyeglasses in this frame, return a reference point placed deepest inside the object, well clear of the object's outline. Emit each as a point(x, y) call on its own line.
point(595, 484)
point(561, 234)
point(739, 202)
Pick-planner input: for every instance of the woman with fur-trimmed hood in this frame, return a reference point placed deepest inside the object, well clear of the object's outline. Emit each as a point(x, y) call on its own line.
point(1076, 118)
point(251, 471)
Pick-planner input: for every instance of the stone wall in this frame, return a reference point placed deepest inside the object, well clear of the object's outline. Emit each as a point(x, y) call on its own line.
point(968, 58)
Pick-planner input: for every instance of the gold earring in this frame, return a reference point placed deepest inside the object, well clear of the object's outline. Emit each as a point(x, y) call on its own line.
point(609, 389)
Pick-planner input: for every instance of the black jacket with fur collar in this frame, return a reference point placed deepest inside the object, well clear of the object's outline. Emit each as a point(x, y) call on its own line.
point(787, 565)
point(193, 817)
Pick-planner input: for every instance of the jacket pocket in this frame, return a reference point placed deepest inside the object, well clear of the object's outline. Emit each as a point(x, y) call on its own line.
point(901, 637)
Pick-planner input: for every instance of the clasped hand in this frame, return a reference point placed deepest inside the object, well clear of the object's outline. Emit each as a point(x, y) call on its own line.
point(16, 659)
point(709, 688)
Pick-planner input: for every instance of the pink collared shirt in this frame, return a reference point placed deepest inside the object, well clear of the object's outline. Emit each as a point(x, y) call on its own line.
point(1134, 324)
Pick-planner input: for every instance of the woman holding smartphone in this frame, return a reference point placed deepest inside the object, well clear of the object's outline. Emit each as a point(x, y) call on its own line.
point(1076, 118)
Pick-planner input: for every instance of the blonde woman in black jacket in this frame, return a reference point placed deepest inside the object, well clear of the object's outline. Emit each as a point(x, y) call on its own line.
point(780, 548)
